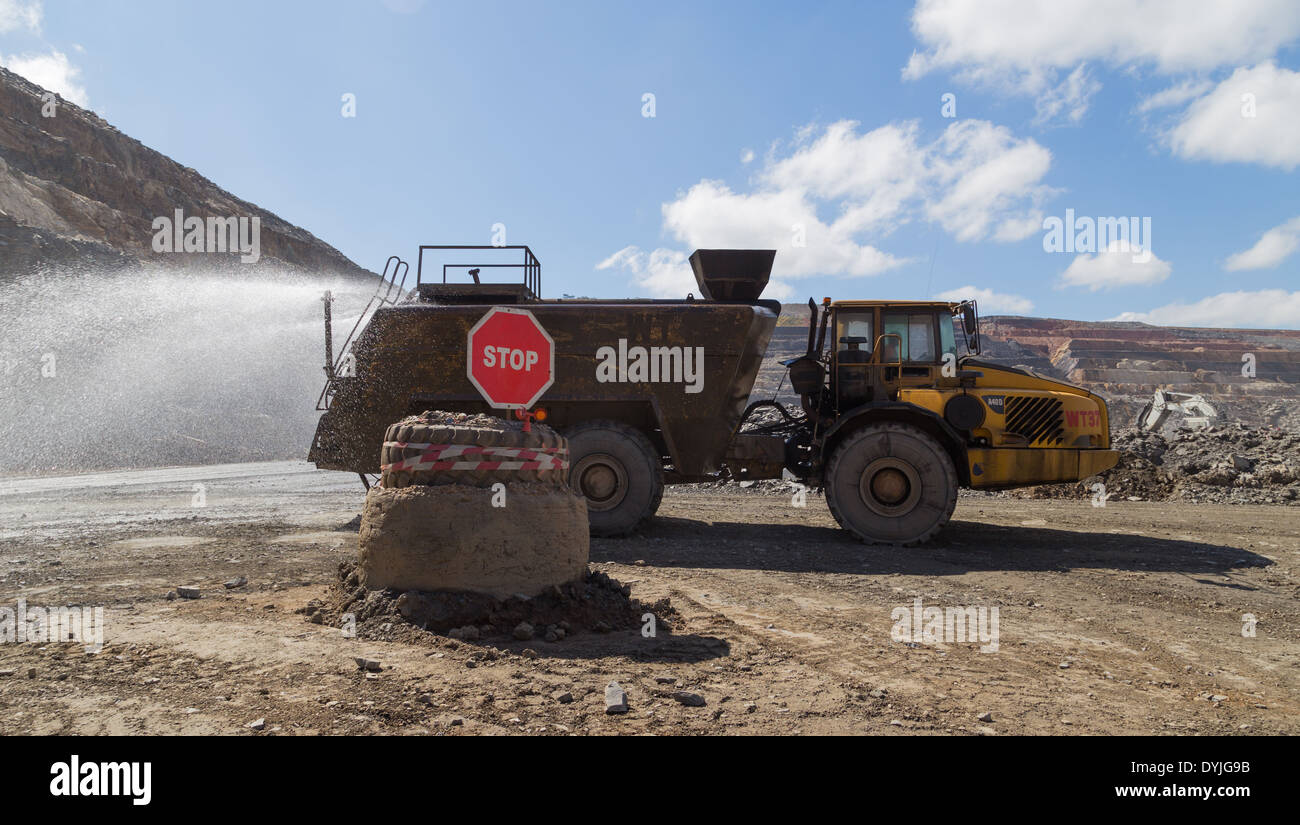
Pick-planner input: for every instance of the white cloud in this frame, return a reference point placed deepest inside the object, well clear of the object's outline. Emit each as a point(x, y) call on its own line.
point(747, 156)
point(1068, 99)
point(1042, 50)
point(709, 214)
point(20, 14)
point(1216, 127)
point(1116, 267)
point(1173, 35)
point(990, 302)
point(625, 257)
point(51, 71)
point(1271, 249)
point(1017, 229)
point(664, 272)
point(826, 203)
point(840, 162)
point(1175, 95)
point(1262, 309)
point(990, 182)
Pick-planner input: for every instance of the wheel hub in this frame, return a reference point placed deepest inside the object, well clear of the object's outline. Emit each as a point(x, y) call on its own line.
point(890, 487)
point(602, 480)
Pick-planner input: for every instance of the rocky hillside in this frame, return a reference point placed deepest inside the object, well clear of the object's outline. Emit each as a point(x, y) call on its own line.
point(76, 191)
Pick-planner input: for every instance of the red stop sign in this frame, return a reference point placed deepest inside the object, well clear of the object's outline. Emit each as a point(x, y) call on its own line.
point(511, 359)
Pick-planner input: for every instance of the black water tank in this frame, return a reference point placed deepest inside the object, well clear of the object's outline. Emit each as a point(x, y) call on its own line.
point(733, 275)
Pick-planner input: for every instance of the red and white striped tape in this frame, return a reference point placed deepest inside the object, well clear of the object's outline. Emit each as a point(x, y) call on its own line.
point(444, 457)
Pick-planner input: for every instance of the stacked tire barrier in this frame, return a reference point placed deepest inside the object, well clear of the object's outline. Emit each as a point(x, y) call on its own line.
point(472, 503)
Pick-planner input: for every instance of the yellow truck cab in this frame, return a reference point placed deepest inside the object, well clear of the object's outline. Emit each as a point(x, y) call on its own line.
point(1018, 428)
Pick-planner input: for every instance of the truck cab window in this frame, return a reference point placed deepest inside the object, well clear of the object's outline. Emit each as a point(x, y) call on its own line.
point(854, 325)
point(915, 330)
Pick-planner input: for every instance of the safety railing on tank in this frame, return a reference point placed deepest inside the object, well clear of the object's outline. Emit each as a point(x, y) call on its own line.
point(530, 266)
point(391, 289)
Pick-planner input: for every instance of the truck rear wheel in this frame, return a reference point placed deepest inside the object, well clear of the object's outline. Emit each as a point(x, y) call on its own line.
point(891, 484)
point(618, 471)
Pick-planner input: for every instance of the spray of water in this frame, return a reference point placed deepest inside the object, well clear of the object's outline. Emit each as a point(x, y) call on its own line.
point(148, 368)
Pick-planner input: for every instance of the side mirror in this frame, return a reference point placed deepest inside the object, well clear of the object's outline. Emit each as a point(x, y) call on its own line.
point(970, 322)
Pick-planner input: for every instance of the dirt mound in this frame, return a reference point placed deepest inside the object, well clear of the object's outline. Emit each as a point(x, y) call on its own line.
point(594, 604)
point(1224, 465)
point(522, 538)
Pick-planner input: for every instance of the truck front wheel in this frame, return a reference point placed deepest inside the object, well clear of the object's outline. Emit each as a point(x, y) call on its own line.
point(891, 484)
point(618, 471)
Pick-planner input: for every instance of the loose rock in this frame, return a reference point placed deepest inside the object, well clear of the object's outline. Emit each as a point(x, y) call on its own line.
point(615, 699)
point(690, 700)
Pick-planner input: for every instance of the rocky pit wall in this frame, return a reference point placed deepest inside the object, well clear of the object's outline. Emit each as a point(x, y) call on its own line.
point(76, 192)
point(1251, 376)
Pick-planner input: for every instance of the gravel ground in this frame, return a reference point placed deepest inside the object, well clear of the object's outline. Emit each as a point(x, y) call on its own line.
point(1126, 618)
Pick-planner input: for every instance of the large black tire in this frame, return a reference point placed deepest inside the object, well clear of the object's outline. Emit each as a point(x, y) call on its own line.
point(478, 434)
point(891, 484)
point(618, 471)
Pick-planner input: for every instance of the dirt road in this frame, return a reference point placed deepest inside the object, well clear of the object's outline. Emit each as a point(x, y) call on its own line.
point(1122, 619)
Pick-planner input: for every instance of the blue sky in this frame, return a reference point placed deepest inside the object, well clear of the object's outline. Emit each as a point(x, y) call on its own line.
point(814, 128)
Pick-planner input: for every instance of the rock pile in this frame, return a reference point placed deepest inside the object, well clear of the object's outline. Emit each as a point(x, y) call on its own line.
point(596, 603)
point(1235, 464)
